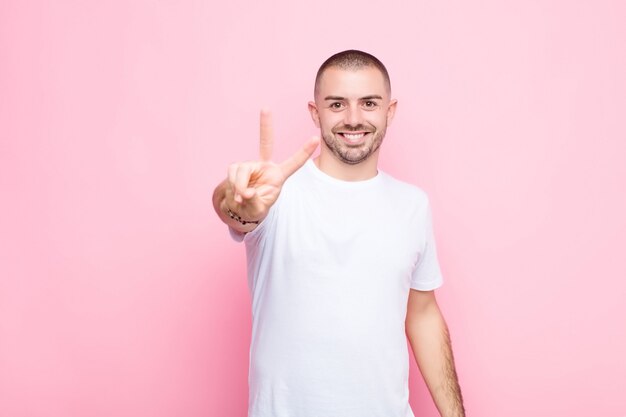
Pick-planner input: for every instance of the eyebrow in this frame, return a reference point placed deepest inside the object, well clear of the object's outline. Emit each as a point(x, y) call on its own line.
point(372, 97)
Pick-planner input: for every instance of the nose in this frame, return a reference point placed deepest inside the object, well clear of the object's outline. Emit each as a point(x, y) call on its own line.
point(353, 116)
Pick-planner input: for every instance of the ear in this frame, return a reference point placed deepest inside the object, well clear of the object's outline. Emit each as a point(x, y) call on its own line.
point(391, 110)
point(314, 114)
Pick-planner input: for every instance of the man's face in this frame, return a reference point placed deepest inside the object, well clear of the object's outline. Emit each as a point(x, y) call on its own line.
point(352, 109)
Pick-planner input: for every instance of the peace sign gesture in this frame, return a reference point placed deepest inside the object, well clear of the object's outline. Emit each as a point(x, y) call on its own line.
point(253, 187)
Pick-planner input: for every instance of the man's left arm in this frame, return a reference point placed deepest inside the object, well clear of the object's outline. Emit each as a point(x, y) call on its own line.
point(428, 335)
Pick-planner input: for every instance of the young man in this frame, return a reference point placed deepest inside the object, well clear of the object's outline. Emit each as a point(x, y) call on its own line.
point(342, 264)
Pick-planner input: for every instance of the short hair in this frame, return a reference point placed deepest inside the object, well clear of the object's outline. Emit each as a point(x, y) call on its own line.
point(353, 59)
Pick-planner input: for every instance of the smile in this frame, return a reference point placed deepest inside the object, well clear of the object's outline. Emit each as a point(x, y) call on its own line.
point(353, 136)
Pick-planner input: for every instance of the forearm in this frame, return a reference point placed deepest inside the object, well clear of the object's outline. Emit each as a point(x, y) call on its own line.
point(430, 340)
point(221, 195)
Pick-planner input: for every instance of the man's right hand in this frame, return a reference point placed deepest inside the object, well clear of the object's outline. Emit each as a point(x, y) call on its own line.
point(253, 187)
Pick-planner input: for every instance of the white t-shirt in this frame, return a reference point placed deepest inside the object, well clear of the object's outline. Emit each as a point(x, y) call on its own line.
point(329, 273)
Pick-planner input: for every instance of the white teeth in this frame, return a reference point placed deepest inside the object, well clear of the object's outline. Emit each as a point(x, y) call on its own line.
point(353, 137)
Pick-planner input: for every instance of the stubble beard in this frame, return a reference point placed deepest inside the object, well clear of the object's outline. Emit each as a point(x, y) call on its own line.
point(353, 155)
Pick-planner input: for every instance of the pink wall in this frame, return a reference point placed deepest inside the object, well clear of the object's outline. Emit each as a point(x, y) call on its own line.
point(121, 293)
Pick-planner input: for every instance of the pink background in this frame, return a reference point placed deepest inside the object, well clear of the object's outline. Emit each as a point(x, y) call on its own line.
point(121, 293)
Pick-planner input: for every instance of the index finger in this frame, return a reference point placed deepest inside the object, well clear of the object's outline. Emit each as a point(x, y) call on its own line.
point(299, 158)
point(267, 136)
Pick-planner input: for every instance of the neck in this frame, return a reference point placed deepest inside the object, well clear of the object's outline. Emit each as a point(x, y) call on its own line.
point(329, 164)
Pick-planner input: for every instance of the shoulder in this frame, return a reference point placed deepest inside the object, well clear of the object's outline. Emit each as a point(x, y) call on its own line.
point(404, 192)
point(302, 175)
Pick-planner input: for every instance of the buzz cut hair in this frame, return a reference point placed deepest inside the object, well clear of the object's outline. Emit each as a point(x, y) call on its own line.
point(352, 60)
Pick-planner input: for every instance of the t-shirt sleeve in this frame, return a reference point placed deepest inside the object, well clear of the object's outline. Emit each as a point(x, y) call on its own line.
point(235, 234)
point(427, 273)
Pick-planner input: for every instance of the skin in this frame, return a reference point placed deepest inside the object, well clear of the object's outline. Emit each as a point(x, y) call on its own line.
point(351, 102)
point(429, 338)
point(252, 187)
point(347, 102)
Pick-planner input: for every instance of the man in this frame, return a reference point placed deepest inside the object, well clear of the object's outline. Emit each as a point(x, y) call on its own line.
point(342, 263)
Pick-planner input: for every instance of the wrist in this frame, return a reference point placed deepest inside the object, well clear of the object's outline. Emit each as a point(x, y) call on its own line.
point(236, 217)
point(231, 220)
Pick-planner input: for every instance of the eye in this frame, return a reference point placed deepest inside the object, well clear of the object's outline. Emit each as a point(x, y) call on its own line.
point(369, 104)
point(337, 105)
